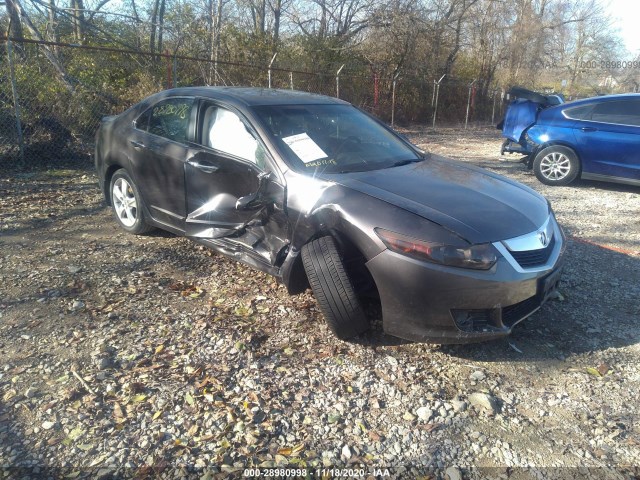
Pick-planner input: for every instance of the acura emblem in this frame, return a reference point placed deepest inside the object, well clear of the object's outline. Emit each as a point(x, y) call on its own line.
point(544, 240)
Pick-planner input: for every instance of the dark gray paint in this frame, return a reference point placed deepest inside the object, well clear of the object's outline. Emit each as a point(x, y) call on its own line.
point(436, 200)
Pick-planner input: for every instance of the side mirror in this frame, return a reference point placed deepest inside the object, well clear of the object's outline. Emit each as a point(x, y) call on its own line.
point(254, 199)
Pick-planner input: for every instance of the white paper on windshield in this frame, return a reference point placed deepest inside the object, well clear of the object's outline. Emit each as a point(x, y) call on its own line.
point(304, 147)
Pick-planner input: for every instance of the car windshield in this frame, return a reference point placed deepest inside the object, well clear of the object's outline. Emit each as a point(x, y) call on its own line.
point(333, 139)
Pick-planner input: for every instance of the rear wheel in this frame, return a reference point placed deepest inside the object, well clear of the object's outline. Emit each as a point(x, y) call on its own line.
point(556, 165)
point(127, 204)
point(333, 289)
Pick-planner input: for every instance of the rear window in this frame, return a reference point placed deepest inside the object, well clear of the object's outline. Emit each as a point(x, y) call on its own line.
point(579, 113)
point(168, 119)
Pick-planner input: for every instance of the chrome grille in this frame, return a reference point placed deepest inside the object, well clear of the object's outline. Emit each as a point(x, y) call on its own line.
point(533, 258)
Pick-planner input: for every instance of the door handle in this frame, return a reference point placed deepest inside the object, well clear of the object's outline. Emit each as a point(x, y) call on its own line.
point(136, 144)
point(203, 166)
point(588, 129)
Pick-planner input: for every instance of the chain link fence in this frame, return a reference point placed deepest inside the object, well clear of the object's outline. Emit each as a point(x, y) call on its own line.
point(48, 118)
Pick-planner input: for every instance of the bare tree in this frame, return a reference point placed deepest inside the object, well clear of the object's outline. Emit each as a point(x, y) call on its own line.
point(77, 7)
point(53, 59)
point(15, 25)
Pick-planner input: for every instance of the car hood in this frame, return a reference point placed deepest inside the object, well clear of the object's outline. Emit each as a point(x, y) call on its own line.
point(477, 205)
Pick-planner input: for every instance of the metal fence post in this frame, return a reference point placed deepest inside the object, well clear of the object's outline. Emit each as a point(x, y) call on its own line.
point(393, 98)
point(435, 108)
point(466, 117)
point(270, 64)
point(338, 81)
point(16, 103)
point(493, 109)
point(175, 70)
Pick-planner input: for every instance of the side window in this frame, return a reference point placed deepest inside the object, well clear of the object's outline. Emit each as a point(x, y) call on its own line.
point(622, 112)
point(579, 113)
point(168, 119)
point(223, 130)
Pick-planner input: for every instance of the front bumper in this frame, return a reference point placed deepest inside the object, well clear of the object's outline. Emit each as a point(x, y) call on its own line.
point(423, 301)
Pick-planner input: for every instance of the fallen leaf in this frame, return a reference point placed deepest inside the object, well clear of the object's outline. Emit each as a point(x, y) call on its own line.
point(75, 434)
point(297, 449)
point(197, 292)
point(189, 399)
point(593, 371)
point(284, 451)
point(159, 349)
point(139, 398)
point(603, 368)
point(84, 446)
point(243, 311)
point(157, 414)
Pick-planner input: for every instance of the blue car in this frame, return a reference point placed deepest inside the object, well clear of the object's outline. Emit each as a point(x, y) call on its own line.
point(596, 138)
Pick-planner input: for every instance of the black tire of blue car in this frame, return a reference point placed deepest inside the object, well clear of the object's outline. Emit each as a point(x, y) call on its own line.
point(333, 289)
point(556, 165)
point(127, 204)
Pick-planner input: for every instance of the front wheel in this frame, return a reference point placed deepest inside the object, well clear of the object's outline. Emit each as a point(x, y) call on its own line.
point(556, 165)
point(333, 289)
point(127, 204)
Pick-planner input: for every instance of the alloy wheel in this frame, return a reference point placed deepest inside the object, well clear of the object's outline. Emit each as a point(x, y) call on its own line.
point(555, 166)
point(124, 202)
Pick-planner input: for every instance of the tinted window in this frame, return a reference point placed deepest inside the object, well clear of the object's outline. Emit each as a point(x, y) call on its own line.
point(579, 113)
point(224, 131)
point(168, 119)
point(333, 138)
point(625, 112)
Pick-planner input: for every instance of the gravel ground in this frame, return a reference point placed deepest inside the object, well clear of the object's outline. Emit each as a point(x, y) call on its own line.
point(152, 356)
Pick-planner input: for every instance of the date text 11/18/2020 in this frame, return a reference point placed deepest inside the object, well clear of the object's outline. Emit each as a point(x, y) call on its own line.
point(285, 472)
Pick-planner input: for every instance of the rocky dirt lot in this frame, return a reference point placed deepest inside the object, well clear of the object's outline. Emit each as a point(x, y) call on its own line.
point(151, 356)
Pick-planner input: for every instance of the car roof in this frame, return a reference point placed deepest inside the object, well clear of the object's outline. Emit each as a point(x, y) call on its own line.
point(253, 96)
point(590, 100)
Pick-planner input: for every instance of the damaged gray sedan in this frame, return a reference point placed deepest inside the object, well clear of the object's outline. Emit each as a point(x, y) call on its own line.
point(317, 193)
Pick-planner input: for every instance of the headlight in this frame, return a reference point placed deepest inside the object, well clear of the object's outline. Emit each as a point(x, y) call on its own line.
point(478, 257)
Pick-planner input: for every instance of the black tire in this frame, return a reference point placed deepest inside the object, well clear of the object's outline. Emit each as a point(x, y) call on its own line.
point(333, 289)
point(127, 204)
point(556, 165)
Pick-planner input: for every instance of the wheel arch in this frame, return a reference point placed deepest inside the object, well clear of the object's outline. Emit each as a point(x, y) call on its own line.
point(108, 175)
point(555, 143)
point(294, 276)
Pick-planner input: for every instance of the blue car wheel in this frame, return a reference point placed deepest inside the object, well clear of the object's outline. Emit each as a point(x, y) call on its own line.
point(556, 165)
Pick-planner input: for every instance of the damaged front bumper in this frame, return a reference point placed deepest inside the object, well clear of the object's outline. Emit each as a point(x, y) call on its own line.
point(423, 301)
